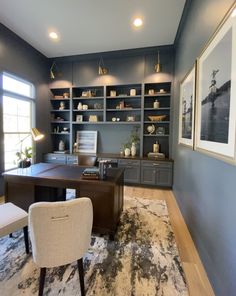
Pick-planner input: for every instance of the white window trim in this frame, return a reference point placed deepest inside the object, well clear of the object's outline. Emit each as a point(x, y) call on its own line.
point(30, 99)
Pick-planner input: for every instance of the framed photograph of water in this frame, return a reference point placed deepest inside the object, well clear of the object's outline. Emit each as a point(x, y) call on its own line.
point(186, 109)
point(86, 141)
point(216, 93)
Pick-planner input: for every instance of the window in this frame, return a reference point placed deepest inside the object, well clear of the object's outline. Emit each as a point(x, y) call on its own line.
point(18, 113)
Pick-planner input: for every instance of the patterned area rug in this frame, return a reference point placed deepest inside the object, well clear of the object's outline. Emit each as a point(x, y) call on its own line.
point(142, 260)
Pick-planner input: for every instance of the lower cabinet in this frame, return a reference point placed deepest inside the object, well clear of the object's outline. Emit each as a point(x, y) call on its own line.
point(131, 170)
point(136, 171)
point(157, 173)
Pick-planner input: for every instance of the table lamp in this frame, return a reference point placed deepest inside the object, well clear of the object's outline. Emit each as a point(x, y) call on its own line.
point(37, 136)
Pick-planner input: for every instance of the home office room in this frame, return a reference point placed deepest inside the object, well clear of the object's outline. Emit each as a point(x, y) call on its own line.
point(117, 148)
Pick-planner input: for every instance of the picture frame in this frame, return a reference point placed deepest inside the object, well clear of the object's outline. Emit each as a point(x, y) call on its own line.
point(86, 141)
point(79, 118)
point(187, 108)
point(216, 92)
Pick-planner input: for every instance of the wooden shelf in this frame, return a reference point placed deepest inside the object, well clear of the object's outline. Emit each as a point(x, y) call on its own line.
point(88, 122)
point(156, 109)
point(88, 98)
point(57, 110)
point(124, 97)
point(124, 109)
point(158, 95)
point(88, 110)
point(63, 121)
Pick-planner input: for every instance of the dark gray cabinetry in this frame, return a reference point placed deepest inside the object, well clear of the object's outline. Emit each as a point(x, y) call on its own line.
point(55, 158)
point(157, 173)
point(72, 160)
point(132, 170)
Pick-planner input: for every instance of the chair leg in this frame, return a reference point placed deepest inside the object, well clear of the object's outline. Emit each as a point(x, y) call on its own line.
point(42, 280)
point(26, 239)
point(81, 275)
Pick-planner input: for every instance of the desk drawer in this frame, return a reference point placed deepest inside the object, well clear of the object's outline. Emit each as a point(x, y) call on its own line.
point(55, 158)
point(129, 162)
point(162, 164)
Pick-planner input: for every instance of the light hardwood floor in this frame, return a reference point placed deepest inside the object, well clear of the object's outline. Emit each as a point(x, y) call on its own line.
point(197, 280)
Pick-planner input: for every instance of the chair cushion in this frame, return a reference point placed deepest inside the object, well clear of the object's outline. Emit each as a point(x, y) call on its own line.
point(12, 218)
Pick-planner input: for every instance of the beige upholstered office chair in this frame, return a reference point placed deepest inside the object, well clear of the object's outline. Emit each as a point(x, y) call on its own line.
point(60, 234)
point(13, 218)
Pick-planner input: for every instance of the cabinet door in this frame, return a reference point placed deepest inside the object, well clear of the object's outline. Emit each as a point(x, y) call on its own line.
point(164, 177)
point(131, 174)
point(148, 175)
point(72, 160)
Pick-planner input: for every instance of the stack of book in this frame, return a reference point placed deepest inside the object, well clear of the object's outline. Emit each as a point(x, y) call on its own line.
point(91, 174)
point(156, 155)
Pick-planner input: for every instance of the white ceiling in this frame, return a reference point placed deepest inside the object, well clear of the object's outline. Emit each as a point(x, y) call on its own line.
point(89, 26)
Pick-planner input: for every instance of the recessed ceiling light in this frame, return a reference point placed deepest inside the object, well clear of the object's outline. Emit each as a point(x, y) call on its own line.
point(53, 35)
point(138, 22)
point(234, 12)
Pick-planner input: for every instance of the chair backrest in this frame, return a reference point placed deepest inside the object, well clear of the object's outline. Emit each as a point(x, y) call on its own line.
point(60, 231)
point(87, 160)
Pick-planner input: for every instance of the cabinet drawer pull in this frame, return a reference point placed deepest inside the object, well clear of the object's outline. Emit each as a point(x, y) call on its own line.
point(54, 158)
point(155, 164)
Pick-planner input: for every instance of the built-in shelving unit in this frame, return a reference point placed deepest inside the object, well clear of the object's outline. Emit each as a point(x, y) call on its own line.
point(77, 108)
point(156, 113)
point(60, 117)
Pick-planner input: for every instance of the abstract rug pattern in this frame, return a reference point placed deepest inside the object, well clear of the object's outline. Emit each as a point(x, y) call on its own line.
point(142, 260)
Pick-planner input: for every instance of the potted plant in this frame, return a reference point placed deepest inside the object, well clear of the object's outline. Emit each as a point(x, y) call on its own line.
point(130, 146)
point(24, 157)
point(126, 148)
point(134, 139)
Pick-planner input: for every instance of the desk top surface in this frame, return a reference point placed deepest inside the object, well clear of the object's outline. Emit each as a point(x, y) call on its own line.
point(60, 172)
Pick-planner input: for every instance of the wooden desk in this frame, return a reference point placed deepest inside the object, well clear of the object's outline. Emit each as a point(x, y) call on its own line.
point(47, 182)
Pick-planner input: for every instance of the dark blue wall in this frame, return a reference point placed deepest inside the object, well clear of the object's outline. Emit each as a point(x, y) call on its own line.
point(125, 67)
point(19, 58)
point(205, 187)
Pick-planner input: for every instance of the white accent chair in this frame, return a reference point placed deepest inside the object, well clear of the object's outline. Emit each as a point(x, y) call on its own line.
point(60, 233)
point(13, 218)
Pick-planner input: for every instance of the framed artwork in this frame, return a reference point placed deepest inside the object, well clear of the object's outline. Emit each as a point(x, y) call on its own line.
point(216, 93)
point(79, 118)
point(186, 109)
point(86, 141)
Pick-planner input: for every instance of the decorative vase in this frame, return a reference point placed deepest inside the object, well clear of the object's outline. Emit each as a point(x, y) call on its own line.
point(156, 104)
point(61, 146)
point(80, 106)
point(133, 149)
point(127, 151)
